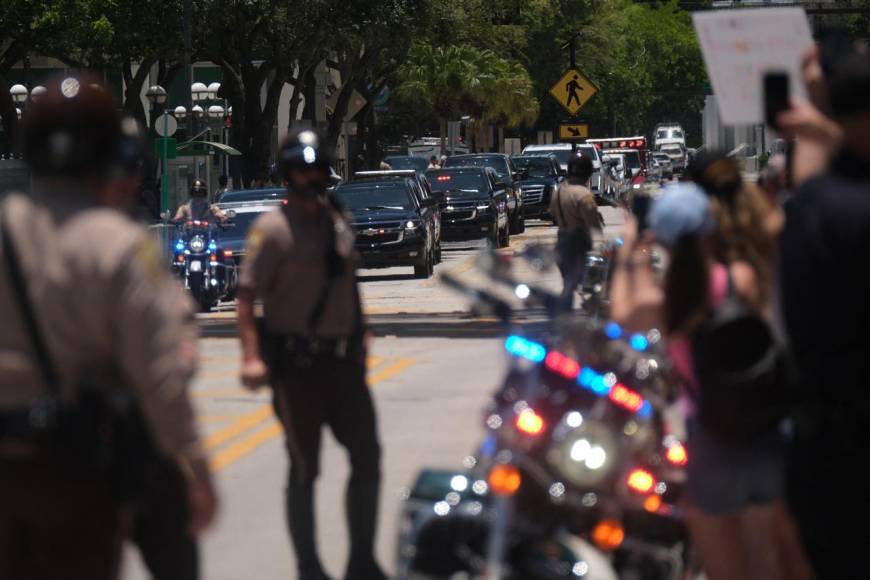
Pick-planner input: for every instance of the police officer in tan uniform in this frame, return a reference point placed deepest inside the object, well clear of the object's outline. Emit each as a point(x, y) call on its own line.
point(576, 214)
point(106, 308)
point(198, 206)
point(300, 261)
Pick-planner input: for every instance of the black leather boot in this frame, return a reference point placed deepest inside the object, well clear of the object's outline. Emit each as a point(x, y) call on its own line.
point(362, 517)
point(300, 518)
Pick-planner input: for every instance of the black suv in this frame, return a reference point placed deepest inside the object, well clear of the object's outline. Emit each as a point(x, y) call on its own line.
point(542, 175)
point(474, 206)
point(394, 227)
point(508, 180)
point(422, 189)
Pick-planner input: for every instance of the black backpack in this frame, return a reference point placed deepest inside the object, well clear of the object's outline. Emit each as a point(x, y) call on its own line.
point(742, 372)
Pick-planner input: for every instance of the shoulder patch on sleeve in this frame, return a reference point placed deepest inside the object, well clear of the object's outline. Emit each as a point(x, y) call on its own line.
point(253, 241)
point(148, 259)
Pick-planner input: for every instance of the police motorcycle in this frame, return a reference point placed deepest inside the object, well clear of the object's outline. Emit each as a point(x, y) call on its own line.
point(578, 474)
point(207, 270)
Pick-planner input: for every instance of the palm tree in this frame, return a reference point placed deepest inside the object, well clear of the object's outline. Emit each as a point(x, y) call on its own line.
point(442, 78)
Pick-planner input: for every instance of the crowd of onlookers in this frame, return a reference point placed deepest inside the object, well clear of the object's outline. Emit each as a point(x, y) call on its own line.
point(790, 497)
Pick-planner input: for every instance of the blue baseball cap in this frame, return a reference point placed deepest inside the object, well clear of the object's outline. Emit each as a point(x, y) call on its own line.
point(682, 209)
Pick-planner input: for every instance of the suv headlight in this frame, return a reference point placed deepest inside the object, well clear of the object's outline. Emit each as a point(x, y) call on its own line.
point(483, 207)
point(197, 244)
point(411, 225)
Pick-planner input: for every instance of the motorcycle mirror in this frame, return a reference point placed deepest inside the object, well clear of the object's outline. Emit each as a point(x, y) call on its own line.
point(231, 213)
point(164, 215)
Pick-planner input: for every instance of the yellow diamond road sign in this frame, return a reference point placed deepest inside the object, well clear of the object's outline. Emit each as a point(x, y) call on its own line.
point(573, 90)
point(568, 131)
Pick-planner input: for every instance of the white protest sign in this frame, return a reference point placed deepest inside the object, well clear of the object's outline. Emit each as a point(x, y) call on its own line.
point(740, 46)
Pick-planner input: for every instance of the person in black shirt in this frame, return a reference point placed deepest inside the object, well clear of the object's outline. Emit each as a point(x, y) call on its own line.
point(825, 282)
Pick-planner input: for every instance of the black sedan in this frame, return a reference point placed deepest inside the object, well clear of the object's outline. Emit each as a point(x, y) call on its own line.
point(475, 204)
point(542, 176)
point(508, 179)
point(394, 227)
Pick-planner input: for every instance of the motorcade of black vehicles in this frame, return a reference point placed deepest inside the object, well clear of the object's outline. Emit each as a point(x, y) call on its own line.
point(203, 263)
point(665, 163)
point(474, 204)
point(541, 179)
point(508, 175)
point(578, 474)
point(412, 162)
point(394, 226)
point(423, 190)
point(600, 183)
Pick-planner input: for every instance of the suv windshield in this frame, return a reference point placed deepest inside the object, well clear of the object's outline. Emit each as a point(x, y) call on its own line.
point(443, 181)
point(563, 155)
point(677, 134)
point(536, 166)
point(407, 162)
point(375, 196)
point(498, 163)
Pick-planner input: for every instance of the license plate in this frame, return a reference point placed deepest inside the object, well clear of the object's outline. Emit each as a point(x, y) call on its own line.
point(196, 266)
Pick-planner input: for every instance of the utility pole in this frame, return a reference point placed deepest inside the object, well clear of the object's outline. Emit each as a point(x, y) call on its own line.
point(188, 73)
point(572, 46)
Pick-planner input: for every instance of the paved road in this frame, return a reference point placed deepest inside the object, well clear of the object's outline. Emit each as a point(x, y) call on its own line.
point(432, 369)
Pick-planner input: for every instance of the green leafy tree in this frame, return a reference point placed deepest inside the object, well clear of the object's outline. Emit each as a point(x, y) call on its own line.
point(442, 79)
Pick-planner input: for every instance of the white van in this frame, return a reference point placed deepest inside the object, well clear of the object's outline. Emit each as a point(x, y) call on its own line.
point(669, 134)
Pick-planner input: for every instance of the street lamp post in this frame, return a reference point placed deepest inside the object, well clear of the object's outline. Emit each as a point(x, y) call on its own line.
point(214, 88)
point(157, 96)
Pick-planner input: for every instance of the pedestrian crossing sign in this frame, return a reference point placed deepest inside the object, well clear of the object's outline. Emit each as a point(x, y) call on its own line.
point(573, 91)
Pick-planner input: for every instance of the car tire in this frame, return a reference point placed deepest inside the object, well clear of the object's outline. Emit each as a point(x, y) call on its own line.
point(424, 270)
point(438, 255)
point(517, 225)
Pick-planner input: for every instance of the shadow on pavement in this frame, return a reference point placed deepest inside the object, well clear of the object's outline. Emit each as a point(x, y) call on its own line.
point(385, 277)
point(414, 325)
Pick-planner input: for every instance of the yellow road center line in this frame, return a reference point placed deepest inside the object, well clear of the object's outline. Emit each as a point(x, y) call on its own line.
point(391, 370)
point(239, 426)
point(245, 446)
point(251, 442)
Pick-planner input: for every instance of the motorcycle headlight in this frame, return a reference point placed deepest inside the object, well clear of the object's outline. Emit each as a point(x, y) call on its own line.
point(585, 455)
point(197, 244)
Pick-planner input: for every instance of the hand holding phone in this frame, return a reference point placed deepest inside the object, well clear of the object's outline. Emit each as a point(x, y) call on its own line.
point(776, 96)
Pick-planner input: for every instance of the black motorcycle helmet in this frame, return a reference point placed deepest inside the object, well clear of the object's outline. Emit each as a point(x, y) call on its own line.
point(73, 131)
point(198, 189)
point(302, 150)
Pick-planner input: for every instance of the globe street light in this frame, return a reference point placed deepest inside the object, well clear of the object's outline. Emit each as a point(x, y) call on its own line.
point(216, 112)
point(180, 113)
point(37, 92)
point(213, 89)
point(19, 93)
point(199, 91)
point(156, 95)
point(197, 111)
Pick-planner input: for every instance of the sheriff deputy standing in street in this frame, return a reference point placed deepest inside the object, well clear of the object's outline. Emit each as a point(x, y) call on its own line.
point(300, 260)
point(88, 308)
